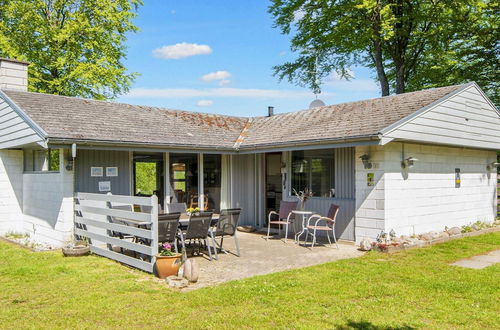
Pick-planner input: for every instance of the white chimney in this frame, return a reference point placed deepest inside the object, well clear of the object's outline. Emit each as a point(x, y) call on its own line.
point(13, 74)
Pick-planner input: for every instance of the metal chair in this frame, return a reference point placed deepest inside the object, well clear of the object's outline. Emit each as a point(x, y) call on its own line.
point(327, 226)
point(226, 226)
point(199, 229)
point(148, 208)
point(175, 207)
point(168, 228)
point(284, 217)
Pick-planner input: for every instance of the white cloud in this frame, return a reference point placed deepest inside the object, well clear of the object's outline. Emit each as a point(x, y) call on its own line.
point(181, 50)
point(204, 103)
point(217, 75)
point(219, 92)
point(335, 76)
point(354, 86)
point(224, 82)
point(298, 15)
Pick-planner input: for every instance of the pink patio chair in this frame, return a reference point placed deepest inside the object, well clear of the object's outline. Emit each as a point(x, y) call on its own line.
point(284, 217)
point(323, 224)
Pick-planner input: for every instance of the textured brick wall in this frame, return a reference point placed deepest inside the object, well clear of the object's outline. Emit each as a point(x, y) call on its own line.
point(370, 206)
point(11, 191)
point(48, 205)
point(428, 199)
point(424, 198)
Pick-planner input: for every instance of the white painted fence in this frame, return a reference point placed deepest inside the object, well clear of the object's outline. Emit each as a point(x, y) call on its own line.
point(93, 220)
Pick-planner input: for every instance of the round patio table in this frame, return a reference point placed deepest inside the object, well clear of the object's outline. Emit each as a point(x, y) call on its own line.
point(300, 226)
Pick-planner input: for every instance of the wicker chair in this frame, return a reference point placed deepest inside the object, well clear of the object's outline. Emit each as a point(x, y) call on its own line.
point(323, 224)
point(226, 227)
point(283, 217)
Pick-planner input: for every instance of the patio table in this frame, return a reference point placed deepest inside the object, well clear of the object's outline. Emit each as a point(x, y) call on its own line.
point(301, 225)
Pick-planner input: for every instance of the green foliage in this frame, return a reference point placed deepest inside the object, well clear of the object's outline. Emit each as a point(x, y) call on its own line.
point(145, 176)
point(75, 47)
point(54, 159)
point(413, 289)
point(409, 44)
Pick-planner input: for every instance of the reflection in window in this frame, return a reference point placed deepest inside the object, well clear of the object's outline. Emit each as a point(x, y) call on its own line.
point(212, 181)
point(184, 177)
point(41, 160)
point(314, 169)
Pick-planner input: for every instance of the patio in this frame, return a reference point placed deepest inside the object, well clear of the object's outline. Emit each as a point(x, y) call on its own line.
point(259, 257)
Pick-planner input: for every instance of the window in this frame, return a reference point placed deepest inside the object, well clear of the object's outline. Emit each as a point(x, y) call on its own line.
point(314, 169)
point(41, 160)
point(184, 176)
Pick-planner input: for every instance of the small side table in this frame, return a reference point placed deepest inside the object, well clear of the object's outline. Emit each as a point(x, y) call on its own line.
point(305, 215)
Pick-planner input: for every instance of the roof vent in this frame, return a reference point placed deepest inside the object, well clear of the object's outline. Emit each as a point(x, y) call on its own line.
point(270, 111)
point(316, 104)
point(13, 74)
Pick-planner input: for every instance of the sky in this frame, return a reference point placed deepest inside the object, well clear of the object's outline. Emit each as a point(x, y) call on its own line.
point(217, 56)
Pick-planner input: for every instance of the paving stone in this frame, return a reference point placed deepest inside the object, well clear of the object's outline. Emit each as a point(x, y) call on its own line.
point(480, 261)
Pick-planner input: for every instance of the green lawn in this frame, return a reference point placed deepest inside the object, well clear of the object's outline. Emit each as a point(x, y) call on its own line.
point(416, 289)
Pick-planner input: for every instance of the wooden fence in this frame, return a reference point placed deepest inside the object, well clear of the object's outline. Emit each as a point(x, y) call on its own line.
point(498, 195)
point(95, 219)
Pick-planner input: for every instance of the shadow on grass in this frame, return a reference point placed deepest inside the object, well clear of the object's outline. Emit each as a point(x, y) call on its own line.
point(364, 325)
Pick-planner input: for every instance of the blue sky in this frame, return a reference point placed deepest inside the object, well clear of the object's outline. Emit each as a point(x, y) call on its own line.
point(217, 57)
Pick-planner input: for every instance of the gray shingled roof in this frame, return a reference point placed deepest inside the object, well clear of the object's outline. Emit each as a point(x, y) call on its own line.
point(74, 118)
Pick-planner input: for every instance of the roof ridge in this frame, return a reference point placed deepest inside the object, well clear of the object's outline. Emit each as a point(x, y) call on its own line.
point(243, 134)
point(124, 104)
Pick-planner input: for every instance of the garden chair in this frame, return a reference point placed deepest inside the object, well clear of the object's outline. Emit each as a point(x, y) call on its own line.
point(199, 229)
point(317, 223)
point(195, 202)
point(226, 226)
point(282, 218)
point(147, 208)
point(175, 207)
point(168, 228)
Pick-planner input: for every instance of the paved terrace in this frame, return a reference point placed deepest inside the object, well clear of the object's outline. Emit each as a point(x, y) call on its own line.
point(259, 257)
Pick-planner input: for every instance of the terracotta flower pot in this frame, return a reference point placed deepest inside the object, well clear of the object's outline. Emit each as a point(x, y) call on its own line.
point(168, 265)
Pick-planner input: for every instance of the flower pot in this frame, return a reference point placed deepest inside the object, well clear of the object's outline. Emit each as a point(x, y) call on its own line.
point(78, 249)
point(168, 265)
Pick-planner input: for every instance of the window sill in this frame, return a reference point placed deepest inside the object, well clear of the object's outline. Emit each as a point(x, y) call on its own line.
point(41, 172)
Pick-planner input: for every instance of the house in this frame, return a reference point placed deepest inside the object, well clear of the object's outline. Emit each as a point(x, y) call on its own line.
point(411, 163)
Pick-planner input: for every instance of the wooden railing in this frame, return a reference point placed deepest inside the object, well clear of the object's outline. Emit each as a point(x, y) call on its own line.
point(96, 221)
point(498, 195)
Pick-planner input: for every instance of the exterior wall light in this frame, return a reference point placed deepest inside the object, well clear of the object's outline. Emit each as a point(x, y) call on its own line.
point(366, 161)
point(408, 162)
point(492, 166)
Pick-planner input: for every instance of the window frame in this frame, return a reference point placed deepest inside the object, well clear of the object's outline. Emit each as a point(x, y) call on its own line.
point(48, 159)
point(289, 178)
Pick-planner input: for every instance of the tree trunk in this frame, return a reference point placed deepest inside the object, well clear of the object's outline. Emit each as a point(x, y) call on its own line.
point(379, 64)
point(400, 78)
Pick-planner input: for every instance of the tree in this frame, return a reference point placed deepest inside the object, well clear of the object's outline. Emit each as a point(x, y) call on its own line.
point(75, 47)
point(410, 44)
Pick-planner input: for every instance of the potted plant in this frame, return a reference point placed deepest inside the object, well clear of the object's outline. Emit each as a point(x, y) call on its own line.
point(303, 196)
point(167, 262)
point(193, 210)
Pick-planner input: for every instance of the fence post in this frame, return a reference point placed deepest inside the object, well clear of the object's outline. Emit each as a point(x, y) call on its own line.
point(154, 228)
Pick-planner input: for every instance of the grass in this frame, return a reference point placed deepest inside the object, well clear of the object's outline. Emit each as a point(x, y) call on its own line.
point(413, 289)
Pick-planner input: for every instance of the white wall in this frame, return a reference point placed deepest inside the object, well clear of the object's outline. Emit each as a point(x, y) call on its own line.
point(11, 191)
point(48, 204)
point(428, 199)
point(370, 200)
point(424, 198)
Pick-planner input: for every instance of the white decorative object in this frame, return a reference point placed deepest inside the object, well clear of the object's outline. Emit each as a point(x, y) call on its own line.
point(104, 186)
point(96, 171)
point(365, 244)
point(111, 171)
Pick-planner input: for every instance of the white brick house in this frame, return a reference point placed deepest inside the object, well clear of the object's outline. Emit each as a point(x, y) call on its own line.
point(356, 155)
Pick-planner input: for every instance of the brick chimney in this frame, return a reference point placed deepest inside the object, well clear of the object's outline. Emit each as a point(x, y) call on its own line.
point(13, 74)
